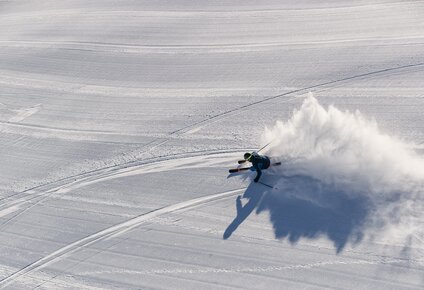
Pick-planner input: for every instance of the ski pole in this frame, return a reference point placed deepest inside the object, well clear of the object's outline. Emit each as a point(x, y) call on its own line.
point(265, 184)
point(265, 146)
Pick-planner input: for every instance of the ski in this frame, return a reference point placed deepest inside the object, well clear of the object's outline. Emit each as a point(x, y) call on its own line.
point(247, 168)
point(238, 169)
point(241, 161)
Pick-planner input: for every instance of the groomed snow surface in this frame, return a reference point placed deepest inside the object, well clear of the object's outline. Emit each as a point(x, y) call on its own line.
point(119, 121)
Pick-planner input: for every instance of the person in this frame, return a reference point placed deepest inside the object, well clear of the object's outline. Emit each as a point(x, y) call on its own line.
point(259, 162)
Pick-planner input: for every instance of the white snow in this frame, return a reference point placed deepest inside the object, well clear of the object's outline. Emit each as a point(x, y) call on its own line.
point(119, 121)
point(341, 161)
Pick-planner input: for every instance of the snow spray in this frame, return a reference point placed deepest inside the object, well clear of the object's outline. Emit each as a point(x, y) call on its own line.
point(327, 153)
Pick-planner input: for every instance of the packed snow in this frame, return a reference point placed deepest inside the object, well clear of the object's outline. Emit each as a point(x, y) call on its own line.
point(119, 121)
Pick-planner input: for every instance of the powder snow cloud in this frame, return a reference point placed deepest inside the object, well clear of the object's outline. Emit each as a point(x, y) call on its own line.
point(328, 153)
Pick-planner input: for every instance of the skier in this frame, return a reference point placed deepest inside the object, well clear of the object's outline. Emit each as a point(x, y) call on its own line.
point(259, 162)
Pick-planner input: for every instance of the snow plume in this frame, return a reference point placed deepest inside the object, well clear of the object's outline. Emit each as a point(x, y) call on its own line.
point(343, 175)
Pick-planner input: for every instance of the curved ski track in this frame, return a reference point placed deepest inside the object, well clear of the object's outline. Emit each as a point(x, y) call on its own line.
point(190, 161)
point(38, 194)
point(113, 231)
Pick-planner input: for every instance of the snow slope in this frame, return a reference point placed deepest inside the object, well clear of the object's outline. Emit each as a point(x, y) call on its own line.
point(119, 121)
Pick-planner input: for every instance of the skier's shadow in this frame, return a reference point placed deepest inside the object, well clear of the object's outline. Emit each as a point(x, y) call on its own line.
point(302, 207)
point(243, 212)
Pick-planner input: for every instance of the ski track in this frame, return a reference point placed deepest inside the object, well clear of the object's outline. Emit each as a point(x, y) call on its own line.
point(214, 48)
point(13, 122)
point(196, 11)
point(119, 229)
point(37, 195)
point(194, 127)
point(242, 270)
point(23, 113)
point(303, 90)
point(112, 232)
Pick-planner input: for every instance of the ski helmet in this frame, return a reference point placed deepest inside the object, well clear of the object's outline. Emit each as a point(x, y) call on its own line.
point(247, 155)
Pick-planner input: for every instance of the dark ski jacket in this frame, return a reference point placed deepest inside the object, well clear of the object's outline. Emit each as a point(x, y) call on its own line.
point(259, 162)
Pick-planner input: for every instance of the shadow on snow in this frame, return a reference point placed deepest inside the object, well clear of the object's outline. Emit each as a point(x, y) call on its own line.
point(302, 207)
